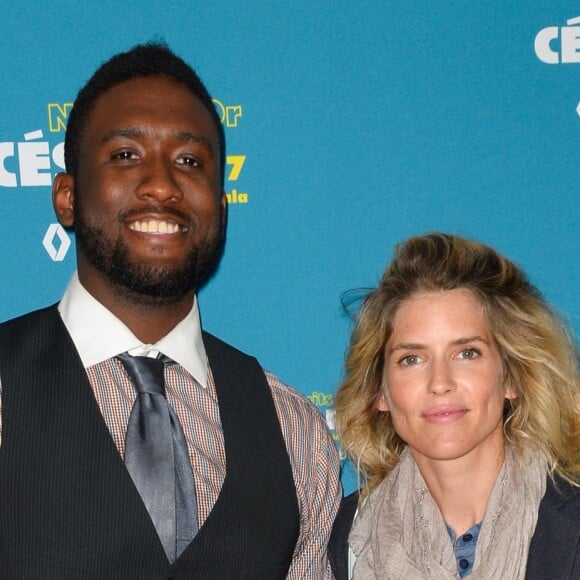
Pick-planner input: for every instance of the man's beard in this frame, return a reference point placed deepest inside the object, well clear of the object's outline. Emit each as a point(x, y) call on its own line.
point(148, 283)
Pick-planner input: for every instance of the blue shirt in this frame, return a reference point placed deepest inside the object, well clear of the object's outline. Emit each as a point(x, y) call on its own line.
point(464, 548)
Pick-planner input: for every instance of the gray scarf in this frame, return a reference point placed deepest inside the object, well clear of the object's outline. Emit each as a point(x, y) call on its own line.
point(400, 534)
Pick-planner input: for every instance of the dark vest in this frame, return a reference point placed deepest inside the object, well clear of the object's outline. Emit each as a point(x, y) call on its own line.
point(68, 507)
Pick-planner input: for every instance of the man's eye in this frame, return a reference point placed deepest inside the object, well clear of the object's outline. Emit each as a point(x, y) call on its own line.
point(189, 162)
point(124, 155)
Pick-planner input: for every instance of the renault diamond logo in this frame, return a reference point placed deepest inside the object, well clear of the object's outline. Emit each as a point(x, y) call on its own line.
point(56, 253)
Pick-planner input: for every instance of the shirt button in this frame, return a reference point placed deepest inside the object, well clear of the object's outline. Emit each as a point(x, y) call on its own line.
point(467, 537)
point(463, 563)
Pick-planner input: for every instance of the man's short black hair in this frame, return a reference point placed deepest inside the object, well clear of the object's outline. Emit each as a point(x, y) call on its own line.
point(143, 60)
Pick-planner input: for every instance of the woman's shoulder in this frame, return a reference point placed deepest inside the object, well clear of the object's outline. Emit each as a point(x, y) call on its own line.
point(338, 544)
point(555, 546)
point(348, 507)
point(563, 497)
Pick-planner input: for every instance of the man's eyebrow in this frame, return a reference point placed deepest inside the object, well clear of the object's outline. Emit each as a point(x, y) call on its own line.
point(140, 132)
point(131, 132)
point(188, 137)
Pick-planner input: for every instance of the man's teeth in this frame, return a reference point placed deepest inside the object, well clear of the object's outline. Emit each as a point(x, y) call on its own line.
point(154, 227)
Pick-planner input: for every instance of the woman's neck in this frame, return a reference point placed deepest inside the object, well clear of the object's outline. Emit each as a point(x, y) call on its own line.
point(461, 487)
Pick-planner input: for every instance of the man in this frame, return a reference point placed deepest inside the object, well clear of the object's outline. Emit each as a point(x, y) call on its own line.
point(143, 191)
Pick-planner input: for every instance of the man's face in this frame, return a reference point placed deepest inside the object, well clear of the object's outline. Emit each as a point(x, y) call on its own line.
point(148, 204)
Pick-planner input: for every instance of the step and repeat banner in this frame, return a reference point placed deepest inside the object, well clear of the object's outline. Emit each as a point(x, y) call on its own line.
point(350, 127)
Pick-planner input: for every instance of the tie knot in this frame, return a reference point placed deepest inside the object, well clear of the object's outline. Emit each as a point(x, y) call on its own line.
point(146, 373)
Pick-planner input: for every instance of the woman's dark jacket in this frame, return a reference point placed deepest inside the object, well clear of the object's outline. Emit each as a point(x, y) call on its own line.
point(554, 551)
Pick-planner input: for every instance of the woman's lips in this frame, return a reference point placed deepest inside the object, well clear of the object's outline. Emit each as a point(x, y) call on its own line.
point(444, 414)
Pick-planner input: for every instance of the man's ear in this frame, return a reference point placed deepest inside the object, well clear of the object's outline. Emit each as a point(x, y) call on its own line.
point(63, 199)
point(223, 211)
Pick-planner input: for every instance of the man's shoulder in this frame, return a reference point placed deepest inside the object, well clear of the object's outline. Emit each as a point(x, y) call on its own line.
point(30, 320)
point(216, 345)
point(293, 406)
point(36, 335)
point(280, 389)
point(289, 402)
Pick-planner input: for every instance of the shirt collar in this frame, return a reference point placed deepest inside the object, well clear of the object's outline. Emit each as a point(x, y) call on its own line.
point(99, 335)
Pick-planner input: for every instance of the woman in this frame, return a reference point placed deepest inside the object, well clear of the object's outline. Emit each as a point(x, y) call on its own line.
point(461, 410)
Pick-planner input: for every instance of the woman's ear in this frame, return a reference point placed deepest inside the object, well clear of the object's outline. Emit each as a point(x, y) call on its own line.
point(63, 199)
point(510, 392)
point(382, 402)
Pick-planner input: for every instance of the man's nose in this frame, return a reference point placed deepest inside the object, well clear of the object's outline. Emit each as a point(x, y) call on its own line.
point(158, 181)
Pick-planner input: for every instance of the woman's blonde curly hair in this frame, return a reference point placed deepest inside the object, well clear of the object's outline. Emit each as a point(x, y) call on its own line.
point(539, 356)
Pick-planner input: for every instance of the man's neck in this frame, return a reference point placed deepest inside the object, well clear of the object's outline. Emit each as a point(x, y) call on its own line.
point(148, 318)
point(151, 323)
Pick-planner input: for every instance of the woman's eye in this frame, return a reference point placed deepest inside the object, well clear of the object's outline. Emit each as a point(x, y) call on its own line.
point(409, 360)
point(469, 353)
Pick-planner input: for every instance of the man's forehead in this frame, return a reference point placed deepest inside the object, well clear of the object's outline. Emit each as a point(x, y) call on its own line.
point(158, 96)
point(148, 86)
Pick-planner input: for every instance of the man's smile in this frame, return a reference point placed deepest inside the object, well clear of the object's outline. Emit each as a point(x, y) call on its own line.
point(156, 226)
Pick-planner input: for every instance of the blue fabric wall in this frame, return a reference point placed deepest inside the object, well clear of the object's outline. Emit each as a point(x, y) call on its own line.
point(350, 126)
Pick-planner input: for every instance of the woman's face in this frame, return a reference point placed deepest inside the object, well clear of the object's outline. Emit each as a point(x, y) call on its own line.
point(443, 381)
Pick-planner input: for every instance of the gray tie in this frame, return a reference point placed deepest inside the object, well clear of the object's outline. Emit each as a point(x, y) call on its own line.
point(156, 456)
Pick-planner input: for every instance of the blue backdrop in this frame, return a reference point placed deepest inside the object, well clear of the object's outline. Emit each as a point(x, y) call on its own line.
point(349, 128)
